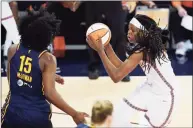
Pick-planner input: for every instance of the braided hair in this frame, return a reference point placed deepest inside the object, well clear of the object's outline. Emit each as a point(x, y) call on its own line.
point(38, 30)
point(151, 40)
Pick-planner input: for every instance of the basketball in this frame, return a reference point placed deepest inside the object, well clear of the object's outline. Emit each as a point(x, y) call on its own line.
point(99, 29)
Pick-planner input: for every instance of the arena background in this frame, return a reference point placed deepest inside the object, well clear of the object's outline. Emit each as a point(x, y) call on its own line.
point(72, 60)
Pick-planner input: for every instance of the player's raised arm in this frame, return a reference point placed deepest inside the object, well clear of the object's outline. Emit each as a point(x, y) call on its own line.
point(112, 56)
point(125, 68)
point(116, 73)
point(50, 92)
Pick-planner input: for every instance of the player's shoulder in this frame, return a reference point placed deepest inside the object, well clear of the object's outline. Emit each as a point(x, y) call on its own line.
point(13, 47)
point(136, 55)
point(48, 58)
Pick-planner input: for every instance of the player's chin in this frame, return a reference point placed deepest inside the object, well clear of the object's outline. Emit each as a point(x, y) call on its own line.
point(130, 40)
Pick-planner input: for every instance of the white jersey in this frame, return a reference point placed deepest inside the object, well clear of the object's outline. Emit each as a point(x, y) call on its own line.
point(8, 21)
point(6, 10)
point(157, 98)
point(161, 78)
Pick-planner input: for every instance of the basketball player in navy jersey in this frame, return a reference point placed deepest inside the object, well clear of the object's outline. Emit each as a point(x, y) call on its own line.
point(31, 77)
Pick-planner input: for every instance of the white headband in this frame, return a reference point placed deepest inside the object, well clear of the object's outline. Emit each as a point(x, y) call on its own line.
point(136, 23)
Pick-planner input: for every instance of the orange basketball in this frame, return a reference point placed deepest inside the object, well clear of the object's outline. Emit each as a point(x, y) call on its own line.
point(100, 29)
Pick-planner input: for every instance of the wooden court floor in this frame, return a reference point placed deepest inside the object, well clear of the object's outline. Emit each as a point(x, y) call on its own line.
point(81, 93)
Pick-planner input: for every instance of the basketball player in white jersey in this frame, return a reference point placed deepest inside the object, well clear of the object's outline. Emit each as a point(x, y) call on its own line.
point(10, 25)
point(156, 97)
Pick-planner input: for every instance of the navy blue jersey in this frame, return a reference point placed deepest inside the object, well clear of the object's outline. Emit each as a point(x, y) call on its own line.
point(83, 126)
point(26, 101)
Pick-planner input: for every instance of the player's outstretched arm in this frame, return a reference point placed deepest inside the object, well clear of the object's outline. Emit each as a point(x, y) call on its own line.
point(14, 7)
point(112, 56)
point(50, 91)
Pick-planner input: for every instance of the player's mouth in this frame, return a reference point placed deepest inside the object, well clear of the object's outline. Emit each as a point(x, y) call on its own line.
point(129, 38)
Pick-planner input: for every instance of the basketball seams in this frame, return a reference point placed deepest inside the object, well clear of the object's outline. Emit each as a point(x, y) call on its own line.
point(108, 38)
point(96, 30)
point(100, 29)
point(103, 35)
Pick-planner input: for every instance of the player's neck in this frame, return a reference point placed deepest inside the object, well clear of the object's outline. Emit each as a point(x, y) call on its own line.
point(103, 125)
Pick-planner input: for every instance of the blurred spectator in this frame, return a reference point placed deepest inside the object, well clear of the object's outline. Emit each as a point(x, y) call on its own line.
point(115, 17)
point(3, 37)
point(130, 7)
point(72, 5)
point(70, 26)
point(101, 115)
point(150, 4)
point(25, 7)
point(182, 36)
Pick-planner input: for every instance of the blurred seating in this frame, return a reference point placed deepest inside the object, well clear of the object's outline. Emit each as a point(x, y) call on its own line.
point(182, 36)
point(73, 26)
point(59, 45)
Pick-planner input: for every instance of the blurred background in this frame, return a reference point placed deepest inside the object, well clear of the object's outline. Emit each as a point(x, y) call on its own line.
point(75, 58)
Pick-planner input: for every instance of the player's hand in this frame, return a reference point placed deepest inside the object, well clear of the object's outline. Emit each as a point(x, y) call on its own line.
point(182, 12)
point(80, 117)
point(75, 5)
point(152, 5)
point(91, 42)
point(72, 5)
point(129, 6)
point(59, 79)
point(95, 44)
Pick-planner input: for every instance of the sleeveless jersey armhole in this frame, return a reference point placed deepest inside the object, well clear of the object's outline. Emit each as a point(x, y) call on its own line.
point(42, 53)
point(137, 51)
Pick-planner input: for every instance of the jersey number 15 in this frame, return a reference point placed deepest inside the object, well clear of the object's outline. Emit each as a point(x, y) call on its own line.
point(26, 64)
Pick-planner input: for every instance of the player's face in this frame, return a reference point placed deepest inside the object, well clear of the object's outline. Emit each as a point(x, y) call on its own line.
point(132, 32)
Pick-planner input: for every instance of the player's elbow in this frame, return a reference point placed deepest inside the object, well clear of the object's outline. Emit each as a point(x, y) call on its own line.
point(48, 93)
point(116, 78)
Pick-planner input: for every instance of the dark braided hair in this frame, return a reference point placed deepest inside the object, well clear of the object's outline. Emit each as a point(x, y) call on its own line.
point(38, 30)
point(151, 40)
